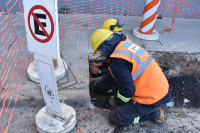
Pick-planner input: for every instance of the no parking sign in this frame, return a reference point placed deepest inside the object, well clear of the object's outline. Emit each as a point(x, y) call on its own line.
point(41, 21)
point(38, 24)
point(42, 27)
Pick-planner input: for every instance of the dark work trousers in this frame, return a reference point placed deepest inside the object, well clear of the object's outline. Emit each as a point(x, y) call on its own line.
point(127, 113)
point(105, 84)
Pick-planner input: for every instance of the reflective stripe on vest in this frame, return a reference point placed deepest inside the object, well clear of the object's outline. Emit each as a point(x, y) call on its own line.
point(124, 99)
point(143, 66)
point(136, 120)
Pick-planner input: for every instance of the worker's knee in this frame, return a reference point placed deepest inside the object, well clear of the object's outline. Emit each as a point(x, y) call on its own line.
point(103, 86)
point(113, 117)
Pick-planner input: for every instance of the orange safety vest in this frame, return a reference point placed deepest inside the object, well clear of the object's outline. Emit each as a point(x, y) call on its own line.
point(149, 81)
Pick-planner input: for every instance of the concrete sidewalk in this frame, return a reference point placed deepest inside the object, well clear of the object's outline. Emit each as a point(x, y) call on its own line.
point(183, 38)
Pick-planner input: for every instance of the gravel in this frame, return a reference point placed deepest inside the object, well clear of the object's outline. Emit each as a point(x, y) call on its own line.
point(183, 88)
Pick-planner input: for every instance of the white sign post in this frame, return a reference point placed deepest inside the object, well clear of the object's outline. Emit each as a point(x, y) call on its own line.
point(41, 21)
point(48, 84)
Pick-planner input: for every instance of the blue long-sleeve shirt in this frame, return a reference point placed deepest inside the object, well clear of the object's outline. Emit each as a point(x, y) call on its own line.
point(121, 69)
point(105, 62)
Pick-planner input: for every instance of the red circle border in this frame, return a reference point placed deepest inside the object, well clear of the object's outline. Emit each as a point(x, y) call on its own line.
point(51, 20)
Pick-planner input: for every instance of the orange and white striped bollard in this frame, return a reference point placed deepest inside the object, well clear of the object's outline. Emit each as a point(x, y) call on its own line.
point(146, 30)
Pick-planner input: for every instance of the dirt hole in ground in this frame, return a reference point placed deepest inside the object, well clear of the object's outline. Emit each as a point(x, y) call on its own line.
point(182, 72)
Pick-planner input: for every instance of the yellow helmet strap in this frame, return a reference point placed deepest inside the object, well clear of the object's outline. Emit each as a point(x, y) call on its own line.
point(112, 27)
point(120, 24)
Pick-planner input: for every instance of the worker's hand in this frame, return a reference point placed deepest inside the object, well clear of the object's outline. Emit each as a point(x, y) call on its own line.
point(93, 64)
point(94, 70)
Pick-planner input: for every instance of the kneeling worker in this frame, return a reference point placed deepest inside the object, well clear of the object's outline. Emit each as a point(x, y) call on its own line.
point(106, 83)
point(114, 25)
point(142, 88)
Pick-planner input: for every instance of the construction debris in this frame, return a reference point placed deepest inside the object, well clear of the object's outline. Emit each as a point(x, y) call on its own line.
point(185, 91)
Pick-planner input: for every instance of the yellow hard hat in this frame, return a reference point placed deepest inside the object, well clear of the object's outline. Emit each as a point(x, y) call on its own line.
point(98, 37)
point(113, 25)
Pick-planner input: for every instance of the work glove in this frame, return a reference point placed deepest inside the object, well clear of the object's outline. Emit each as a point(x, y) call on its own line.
point(112, 101)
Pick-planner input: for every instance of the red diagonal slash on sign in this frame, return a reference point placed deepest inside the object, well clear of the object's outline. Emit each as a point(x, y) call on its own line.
point(49, 36)
point(40, 24)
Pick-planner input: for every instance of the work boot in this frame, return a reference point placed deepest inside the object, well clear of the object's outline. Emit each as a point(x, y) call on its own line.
point(162, 116)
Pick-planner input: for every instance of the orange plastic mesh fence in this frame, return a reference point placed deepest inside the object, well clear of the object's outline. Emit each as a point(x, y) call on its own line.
point(75, 16)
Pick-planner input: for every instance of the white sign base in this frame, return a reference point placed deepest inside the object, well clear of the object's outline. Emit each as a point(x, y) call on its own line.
point(60, 71)
point(46, 123)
